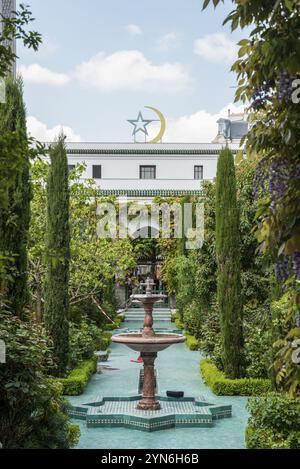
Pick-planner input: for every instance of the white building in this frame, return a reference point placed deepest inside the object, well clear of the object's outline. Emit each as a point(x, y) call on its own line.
point(147, 170)
point(232, 128)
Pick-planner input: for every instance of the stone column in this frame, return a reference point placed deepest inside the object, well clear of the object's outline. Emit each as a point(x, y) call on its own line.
point(148, 401)
point(148, 320)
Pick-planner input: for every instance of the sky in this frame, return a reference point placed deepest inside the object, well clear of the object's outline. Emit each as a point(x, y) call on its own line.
point(103, 61)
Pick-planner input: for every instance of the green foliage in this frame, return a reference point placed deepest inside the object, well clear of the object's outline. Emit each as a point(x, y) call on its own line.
point(58, 256)
point(76, 381)
point(258, 351)
point(94, 262)
point(33, 413)
point(191, 342)
point(198, 306)
point(105, 341)
point(176, 271)
point(85, 309)
point(74, 434)
point(193, 319)
point(228, 260)
point(274, 422)
point(267, 438)
point(85, 338)
point(115, 325)
point(270, 53)
point(223, 386)
point(210, 334)
point(14, 218)
point(178, 323)
point(15, 27)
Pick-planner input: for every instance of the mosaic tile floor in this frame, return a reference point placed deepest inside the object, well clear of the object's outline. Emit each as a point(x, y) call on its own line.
point(122, 412)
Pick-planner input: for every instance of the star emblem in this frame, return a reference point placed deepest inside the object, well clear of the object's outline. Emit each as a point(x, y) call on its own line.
point(140, 124)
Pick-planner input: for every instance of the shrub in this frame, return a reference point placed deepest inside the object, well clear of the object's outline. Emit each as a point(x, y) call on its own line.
point(223, 386)
point(258, 350)
point(85, 310)
point(78, 378)
point(274, 422)
point(105, 341)
point(210, 335)
point(84, 340)
point(74, 434)
point(117, 322)
point(193, 318)
point(191, 342)
point(185, 270)
point(33, 412)
point(119, 319)
point(178, 323)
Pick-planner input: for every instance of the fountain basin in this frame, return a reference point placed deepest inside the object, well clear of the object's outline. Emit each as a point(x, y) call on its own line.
point(140, 343)
point(152, 298)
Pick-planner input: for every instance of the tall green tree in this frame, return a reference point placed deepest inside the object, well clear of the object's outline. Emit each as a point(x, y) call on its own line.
point(58, 256)
point(15, 214)
point(268, 72)
point(228, 261)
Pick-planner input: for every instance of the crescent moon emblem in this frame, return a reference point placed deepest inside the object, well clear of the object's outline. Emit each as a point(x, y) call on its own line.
point(161, 133)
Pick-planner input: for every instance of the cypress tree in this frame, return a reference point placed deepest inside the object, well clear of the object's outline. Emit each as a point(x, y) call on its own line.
point(15, 214)
point(56, 310)
point(228, 261)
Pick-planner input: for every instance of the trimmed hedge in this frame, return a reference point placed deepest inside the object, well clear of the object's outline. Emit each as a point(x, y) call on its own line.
point(78, 378)
point(223, 386)
point(191, 342)
point(179, 324)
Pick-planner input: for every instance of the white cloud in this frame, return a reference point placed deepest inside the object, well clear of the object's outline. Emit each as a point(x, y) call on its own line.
point(134, 29)
point(168, 41)
point(130, 70)
point(41, 132)
point(198, 127)
point(216, 48)
point(35, 73)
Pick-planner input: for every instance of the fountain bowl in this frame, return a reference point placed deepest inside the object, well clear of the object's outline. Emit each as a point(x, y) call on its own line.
point(140, 343)
point(148, 298)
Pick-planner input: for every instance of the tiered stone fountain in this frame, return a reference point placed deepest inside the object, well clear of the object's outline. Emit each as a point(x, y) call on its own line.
point(149, 413)
point(148, 343)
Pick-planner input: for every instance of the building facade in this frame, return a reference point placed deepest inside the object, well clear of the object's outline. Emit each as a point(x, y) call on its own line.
point(232, 128)
point(142, 170)
point(7, 7)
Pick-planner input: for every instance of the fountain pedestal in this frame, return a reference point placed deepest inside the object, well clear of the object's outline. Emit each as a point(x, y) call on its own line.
point(148, 401)
point(148, 344)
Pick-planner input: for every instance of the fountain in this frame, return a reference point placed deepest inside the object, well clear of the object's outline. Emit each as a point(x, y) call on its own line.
point(148, 343)
point(149, 413)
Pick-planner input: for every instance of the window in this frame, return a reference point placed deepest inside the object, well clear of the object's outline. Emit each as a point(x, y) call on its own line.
point(147, 172)
point(97, 171)
point(71, 167)
point(198, 172)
